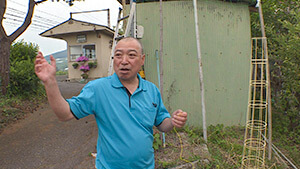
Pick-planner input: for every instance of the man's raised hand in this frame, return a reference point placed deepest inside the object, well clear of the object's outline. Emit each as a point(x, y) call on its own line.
point(179, 118)
point(43, 69)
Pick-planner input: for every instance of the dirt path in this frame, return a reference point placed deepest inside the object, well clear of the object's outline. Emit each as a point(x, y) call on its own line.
point(41, 141)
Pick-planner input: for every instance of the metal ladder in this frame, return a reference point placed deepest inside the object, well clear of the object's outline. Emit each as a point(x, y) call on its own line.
point(131, 30)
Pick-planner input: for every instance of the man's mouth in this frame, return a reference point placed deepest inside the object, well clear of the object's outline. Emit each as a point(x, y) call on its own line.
point(124, 69)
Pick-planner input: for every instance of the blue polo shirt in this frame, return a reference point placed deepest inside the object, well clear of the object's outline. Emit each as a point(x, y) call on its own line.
point(125, 122)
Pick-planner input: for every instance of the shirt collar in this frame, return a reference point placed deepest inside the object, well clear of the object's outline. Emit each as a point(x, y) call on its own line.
point(117, 83)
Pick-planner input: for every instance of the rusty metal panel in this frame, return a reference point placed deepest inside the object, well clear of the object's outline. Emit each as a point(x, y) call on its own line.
point(225, 46)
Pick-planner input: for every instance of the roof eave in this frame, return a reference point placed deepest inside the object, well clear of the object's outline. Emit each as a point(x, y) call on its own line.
point(108, 29)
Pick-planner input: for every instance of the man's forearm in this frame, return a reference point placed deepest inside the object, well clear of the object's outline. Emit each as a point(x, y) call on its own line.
point(58, 104)
point(166, 125)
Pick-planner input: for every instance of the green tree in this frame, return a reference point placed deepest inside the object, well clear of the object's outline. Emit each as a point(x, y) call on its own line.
point(282, 25)
point(6, 40)
point(23, 80)
point(22, 51)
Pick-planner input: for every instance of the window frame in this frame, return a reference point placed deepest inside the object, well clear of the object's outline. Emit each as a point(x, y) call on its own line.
point(82, 52)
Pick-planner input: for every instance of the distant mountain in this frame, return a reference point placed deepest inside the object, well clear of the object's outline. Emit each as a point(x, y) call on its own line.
point(61, 54)
point(61, 58)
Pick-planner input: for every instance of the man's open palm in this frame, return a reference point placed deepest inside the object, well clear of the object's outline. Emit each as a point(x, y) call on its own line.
point(43, 69)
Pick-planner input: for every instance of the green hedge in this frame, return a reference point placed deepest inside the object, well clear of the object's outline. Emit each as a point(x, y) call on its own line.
point(23, 81)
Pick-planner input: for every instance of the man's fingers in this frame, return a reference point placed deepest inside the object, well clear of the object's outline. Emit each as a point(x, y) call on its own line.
point(38, 60)
point(40, 54)
point(53, 61)
point(179, 118)
point(178, 123)
point(178, 111)
point(182, 114)
point(37, 68)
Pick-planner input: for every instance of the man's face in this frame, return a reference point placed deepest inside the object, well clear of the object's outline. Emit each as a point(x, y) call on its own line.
point(128, 59)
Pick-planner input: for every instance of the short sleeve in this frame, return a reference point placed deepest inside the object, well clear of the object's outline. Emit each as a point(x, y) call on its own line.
point(162, 112)
point(83, 104)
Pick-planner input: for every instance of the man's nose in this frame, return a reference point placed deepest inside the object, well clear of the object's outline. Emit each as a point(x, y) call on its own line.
point(124, 59)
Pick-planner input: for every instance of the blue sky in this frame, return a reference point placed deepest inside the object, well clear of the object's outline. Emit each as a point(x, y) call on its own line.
point(49, 14)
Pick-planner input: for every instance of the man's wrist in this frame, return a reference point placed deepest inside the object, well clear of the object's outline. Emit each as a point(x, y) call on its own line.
point(50, 81)
point(171, 123)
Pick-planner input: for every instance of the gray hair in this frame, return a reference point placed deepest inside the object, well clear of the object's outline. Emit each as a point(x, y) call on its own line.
point(132, 38)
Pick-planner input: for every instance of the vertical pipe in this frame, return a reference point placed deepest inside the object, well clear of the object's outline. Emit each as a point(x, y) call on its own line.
point(161, 82)
point(262, 24)
point(158, 77)
point(161, 49)
point(134, 30)
point(108, 18)
point(157, 63)
point(200, 71)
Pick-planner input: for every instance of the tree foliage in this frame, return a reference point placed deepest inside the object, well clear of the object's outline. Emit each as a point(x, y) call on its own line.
point(23, 80)
point(22, 51)
point(6, 40)
point(282, 25)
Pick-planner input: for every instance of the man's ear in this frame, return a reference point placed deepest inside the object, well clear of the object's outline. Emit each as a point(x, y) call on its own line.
point(143, 58)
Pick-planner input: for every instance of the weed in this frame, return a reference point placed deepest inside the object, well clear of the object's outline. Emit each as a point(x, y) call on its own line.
point(157, 142)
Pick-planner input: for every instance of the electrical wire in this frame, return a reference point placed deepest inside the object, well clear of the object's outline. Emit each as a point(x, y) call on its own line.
point(38, 22)
point(181, 149)
point(34, 20)
point(23, 14)
point(43, 21)
point(89, 17)
point(50, 14)
point(21, 21)
point(16, 24)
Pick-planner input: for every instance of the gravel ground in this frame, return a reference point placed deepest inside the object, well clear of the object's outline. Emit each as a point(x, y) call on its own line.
point(41, 141)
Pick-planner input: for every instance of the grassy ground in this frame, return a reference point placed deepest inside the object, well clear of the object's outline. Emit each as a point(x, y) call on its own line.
point(13, 109)
point(225, 147)
point(223, 150)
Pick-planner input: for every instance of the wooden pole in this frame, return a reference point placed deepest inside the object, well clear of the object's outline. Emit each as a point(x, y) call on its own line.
point(262, 24)
point(161, 49)
point(200, 71)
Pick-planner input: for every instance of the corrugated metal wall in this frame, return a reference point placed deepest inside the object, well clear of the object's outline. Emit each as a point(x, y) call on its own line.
point(225, 46)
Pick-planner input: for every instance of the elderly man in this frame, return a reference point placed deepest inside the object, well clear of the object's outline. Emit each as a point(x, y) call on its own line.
point(125, 106)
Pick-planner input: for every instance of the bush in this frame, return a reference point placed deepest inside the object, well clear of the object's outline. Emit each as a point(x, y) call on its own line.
point(23, 81)
point(22, 51)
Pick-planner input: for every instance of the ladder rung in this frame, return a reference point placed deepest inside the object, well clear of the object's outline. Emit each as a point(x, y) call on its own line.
point(125, 17)
point(119, 38)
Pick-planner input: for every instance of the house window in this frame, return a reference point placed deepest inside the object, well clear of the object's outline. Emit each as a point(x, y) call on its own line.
point(89, 51)
point(82, 50)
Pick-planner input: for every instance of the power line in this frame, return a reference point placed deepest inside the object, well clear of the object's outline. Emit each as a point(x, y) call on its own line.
point(51, 14)
point(39, 21)
point(16, 24)
point(89, 17)
point(21, 21)
point(34, 20)
point(24, 13)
